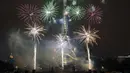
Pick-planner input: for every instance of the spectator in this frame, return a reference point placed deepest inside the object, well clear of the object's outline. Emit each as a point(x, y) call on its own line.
point(94, 71)
point(52, 69)
point(89, 71)
point(73, 68)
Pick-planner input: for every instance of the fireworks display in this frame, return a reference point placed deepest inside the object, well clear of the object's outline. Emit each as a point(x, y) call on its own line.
point(94, 14)
point(29, 13)
point(77, 13)
point(49, 11)
point(32, 15)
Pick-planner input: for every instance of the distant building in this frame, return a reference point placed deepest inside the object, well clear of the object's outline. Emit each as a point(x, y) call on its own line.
point(128, 56)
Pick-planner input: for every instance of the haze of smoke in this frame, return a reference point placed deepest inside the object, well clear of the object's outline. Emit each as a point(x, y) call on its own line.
point(21, 47)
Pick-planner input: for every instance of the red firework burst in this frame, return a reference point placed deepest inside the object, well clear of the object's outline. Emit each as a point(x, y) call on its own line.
point(29, 13)
point(94, 14)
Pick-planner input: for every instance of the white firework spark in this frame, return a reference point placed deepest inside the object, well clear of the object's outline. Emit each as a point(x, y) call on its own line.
point(103, 1)
point(61, 40)
point(77, 13)
point(35, 31)
point(49, 11)
point(74, 2)
point(88, 36)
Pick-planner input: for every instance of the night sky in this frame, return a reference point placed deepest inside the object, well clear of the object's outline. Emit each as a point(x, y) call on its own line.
point(114, 29)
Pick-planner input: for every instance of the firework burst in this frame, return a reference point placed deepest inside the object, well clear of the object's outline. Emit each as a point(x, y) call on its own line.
point(49, 11)
point(61, 42)
point(35, 31)
point(88, 36)
point(77, 13)
point(29, 13)
point(94, 14)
